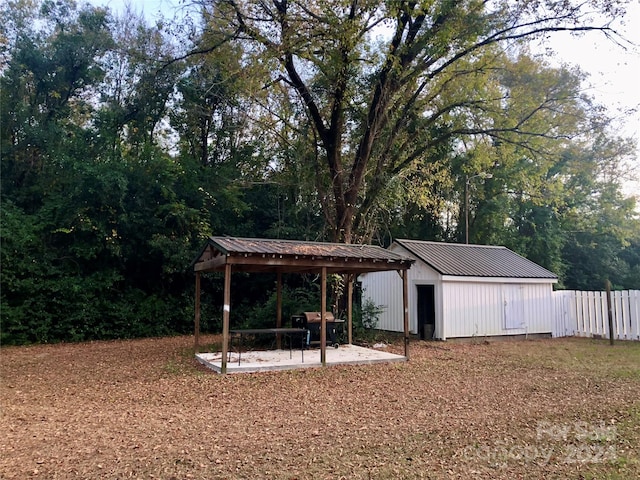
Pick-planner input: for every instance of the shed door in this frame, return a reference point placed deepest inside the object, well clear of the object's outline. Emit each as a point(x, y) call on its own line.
point(426, 311)
point(513, 306)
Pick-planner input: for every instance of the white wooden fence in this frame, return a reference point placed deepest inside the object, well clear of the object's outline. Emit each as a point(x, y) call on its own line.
point(585, 314)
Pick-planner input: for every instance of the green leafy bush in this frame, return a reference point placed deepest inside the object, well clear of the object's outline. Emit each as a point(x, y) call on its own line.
point(365, 321)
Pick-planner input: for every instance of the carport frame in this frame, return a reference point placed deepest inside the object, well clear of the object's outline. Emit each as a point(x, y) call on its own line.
point(228, 254)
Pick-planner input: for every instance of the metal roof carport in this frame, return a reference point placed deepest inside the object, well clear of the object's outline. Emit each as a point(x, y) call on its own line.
point(228, 254)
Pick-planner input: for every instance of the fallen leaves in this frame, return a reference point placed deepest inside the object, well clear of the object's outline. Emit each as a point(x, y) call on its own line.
point(146, 409)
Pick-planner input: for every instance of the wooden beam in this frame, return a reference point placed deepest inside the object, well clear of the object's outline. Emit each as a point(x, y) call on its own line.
point(337, 264)
point(279, 309)
point(323, 317)
point(405, 306)
point(350, 279)
point(214, 264)
point(262, 266)
point(226, 310)
point(196, 332)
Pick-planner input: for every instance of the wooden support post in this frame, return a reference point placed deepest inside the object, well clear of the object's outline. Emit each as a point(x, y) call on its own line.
point(405, 305)
point(323, 317)
point(350, 279)
point(196, 332)
point(226, 309)
point(279, 309)
point(609, 311)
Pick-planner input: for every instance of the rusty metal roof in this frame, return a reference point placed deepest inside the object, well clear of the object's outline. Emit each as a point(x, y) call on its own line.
point(465, 260)
point(258, 254)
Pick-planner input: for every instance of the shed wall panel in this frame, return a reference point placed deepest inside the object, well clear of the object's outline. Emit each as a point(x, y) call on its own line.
point(385, 290)
point(478, 309)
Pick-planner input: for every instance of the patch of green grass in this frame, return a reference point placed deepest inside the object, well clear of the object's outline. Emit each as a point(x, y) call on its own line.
point(592, 357)
point(626, 463)
point(182, 362)
point(210, 347)
point(627, 374)
point(173, 367)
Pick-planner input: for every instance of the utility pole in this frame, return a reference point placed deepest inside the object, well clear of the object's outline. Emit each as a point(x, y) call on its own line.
point(466, 210)
point(468, 179)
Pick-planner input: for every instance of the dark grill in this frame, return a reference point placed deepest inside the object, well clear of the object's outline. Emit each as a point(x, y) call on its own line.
point(311, 322)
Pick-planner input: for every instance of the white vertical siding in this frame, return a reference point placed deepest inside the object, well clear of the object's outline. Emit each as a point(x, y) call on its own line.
point(539, 310)
point(385, 290)
point(472, 309)
point(480, 309)
point(462, 309)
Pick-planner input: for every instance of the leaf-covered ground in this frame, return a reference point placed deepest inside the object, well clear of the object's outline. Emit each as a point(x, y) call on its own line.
point(566, 408)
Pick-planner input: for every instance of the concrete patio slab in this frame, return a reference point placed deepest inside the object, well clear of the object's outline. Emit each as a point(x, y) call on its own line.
point(268, 360)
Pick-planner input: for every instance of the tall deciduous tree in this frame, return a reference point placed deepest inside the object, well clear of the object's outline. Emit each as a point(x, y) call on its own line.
point(371, 74)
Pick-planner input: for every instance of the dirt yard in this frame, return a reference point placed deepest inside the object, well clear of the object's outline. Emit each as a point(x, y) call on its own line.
point(145, 409)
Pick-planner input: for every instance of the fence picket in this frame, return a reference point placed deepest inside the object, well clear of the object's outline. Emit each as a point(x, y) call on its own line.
point(593, 313)
point(597, 311)
point(626, 314)
point(634, 314)
point(604, 314)
point(618, 318)
point(580, 310)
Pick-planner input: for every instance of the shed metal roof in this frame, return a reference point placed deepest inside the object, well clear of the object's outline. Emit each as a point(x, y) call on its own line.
point(259, 254)
point(466, 260)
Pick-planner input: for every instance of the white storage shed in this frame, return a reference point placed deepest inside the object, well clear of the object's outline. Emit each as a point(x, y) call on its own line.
point(460, 290)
